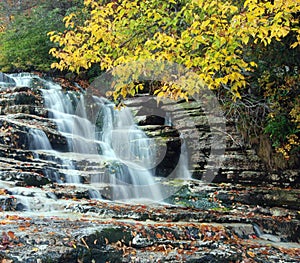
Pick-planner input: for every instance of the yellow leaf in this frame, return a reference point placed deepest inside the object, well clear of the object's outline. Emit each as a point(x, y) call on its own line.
point(245, 39)
point(205, 24)
point(251, 254)
point(295, 44)
point(253, 64)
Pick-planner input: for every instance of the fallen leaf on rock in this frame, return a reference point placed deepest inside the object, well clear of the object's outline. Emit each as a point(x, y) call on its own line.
point(251, 254)
point(119, 243)
point(10, 217)
point(22, 228)
point(4, 260)
point(180, 251)
point(248, 260)
point(265, 252)
point(158, 235)
point(72, 244)
point(170, 236)
point(11, 234)
point(290, 251)
point(84, 242)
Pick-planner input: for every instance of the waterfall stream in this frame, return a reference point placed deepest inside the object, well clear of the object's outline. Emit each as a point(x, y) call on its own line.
point(106, 151)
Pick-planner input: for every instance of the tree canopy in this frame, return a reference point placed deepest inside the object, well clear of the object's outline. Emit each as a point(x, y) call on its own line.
point(231, 45)
point(207, 36)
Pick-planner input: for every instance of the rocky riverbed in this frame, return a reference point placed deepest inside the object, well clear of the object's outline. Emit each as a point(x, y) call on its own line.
point(246, 214)
point(198, 224)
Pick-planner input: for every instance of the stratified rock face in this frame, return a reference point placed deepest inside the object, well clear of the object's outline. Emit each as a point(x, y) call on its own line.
point(188, 122)
point(21, 111)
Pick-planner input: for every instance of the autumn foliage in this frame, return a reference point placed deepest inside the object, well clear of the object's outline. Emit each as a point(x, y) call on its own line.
point(226, 43)
point(206, 36)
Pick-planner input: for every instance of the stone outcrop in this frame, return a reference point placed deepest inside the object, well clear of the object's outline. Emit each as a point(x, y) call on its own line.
point(21, 111)
point(98, 231)
point(239, 164)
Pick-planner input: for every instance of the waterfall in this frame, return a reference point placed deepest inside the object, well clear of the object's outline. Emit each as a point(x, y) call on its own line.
point(38, 140)
point(183, 170)
point(23, 79)
point(106, 148)
point(131, 143)
point(6, 81)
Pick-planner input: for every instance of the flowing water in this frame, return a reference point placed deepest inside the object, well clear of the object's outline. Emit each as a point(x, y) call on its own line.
point(38, 140)
point(106, 150)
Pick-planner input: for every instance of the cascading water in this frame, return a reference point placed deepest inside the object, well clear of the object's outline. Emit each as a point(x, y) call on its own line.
point(183, 171)
point(105, 147)
point(38, 140)
point(120, 142)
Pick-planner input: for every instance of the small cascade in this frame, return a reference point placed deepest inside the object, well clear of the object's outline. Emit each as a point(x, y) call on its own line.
point(182, 171)
point(6, 81)
point(23, 79)
point(38, 140)
point(72, 176)
point(130, 143)
point(168, 119)
point(60, 107)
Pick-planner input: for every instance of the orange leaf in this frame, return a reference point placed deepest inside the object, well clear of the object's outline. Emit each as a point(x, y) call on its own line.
point(12, 217)
point(22, 228)
point(158, 235)
point(11, 234)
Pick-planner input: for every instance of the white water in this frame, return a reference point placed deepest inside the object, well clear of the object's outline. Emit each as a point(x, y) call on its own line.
point(38, 140)
point(182, 170)
point(123, 151)
point(22, 79)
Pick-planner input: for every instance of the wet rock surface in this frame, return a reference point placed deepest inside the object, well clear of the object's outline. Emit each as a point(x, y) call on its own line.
point(83, 230)
point(247, 214)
